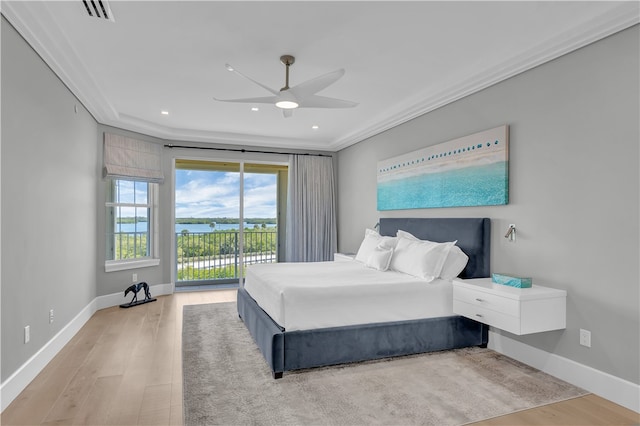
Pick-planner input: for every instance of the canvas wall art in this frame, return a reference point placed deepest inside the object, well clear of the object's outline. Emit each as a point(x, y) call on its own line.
point(469, 171)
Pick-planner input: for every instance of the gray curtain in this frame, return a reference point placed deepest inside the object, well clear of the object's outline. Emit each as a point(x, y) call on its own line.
point(311, 210)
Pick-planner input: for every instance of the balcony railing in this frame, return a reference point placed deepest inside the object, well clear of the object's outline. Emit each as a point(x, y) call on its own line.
point(206, 256)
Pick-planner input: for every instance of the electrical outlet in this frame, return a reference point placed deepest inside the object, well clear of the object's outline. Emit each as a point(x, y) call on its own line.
point(134, 278)
point(27, 334)
point(51, 316)
point(585, 338)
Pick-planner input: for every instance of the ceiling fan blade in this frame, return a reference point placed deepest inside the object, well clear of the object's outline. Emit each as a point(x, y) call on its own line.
point(270, 90)
point(260, 100)
point(303, 95)
point(313, 86)
point(316, 101)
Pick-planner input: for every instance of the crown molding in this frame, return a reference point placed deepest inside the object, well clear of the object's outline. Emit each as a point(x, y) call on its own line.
point(622, 17)
point(61, 57)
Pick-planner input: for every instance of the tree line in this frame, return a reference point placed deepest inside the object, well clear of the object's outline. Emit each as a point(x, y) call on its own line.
point(205, 220)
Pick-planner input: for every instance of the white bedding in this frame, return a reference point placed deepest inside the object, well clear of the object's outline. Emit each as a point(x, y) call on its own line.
point(305, 296)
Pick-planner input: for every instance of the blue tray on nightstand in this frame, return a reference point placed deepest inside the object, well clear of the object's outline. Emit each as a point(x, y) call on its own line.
point(517, 282)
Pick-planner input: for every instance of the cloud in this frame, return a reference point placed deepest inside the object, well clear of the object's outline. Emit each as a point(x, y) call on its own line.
point(260, 201)
point(217, 194)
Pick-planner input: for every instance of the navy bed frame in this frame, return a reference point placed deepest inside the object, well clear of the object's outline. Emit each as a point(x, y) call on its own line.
point(294, 350)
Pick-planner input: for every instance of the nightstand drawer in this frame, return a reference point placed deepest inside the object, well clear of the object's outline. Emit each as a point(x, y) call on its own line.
point(487, 316)
point(516, 310)
point(487, 300)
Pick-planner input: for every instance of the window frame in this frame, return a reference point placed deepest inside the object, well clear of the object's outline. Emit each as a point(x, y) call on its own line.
point(152, 259)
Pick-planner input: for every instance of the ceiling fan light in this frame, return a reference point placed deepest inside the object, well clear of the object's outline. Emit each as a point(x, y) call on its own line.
point(286, 100)
point(286, 104)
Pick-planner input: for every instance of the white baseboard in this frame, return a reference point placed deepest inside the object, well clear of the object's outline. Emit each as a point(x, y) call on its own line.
point(19, 380)
point(610, 387)
point(11, 388)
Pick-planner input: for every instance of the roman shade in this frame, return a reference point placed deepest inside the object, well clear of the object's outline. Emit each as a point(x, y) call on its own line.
point(132, 159)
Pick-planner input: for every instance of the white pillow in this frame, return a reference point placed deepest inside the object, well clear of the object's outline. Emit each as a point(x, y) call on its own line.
point(380, 258)
point(405, 234)
point(454, 263)
point(422, 259)
point(372, 240)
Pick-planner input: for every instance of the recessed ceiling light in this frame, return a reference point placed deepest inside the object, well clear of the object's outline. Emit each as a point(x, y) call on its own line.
point(255, 109)
point(164, 112)
point(315, 127)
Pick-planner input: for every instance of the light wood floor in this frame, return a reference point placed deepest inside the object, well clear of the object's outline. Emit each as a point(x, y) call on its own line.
point(124, 368)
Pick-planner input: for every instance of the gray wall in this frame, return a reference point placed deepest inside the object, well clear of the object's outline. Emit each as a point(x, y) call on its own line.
point(49, 172)
point(574, 190)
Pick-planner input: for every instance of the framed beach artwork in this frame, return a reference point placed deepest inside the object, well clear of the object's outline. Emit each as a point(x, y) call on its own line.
point(469, 171)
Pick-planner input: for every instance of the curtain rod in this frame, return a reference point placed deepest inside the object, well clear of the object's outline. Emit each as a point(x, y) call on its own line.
point(243, 150)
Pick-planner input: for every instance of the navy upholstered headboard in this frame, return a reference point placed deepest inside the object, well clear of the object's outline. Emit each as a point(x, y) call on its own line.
point(473, 235)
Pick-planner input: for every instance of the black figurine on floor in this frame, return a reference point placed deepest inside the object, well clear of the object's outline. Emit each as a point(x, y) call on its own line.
point(135, 288)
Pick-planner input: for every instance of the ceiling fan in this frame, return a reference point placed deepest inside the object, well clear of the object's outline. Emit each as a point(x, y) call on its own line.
point(302, 95)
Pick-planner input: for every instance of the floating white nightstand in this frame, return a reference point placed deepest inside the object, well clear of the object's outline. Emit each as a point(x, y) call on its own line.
point(516, 310)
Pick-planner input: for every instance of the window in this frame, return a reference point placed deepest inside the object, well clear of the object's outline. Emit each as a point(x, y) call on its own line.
point(130, 228)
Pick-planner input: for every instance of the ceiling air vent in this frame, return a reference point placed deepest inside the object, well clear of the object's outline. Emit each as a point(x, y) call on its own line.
point(98, 9)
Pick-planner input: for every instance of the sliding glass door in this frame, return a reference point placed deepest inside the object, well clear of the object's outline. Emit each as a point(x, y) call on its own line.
point(227, 216)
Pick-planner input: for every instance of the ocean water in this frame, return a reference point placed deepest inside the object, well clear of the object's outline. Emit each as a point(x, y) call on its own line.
point(485, 185)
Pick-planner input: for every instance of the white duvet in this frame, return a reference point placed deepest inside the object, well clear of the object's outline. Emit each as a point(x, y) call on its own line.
point(305, 296)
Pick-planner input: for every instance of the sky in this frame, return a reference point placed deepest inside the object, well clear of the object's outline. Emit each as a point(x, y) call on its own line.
point(217, 194)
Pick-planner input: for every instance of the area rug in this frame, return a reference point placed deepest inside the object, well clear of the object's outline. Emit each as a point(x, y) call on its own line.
point(226, 381)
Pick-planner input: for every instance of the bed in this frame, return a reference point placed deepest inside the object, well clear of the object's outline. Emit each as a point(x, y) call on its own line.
point(303, 346)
